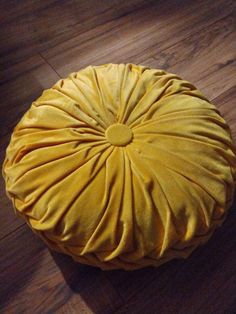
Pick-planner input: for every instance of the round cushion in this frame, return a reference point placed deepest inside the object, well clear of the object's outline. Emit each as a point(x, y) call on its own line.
point(122, 166)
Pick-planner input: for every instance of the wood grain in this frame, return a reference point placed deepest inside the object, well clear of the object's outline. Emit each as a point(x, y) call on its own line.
point(42, 41)
point(142, 33)
point(213, 73)
point(42, 24)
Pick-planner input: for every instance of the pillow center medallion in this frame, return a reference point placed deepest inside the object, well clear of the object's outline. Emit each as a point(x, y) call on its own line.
point(119, 134)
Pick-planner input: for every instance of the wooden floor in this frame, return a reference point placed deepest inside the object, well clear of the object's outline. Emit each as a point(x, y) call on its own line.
point(42, 41)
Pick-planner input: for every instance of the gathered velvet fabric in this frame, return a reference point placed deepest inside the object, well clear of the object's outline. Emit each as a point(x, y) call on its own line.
point(121, 166)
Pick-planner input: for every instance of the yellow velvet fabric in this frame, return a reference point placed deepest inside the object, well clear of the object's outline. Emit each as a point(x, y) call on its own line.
point(121, 166)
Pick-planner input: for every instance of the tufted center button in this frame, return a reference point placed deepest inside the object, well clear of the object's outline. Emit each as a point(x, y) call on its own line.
point(119, 134)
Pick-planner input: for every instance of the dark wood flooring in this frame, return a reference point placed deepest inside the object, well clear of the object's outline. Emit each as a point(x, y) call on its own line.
point(42, 41)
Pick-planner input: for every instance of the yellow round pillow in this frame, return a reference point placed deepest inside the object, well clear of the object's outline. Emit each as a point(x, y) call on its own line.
point(122, 166)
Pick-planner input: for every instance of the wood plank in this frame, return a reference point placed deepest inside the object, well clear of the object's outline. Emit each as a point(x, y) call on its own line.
point(226, 104)
point(206, 58)
point(21, 68)
point(203, 283)
point(43, 24)
point(14, 9)
point(17, 94)
point(87, 284)
point(35, 281)
point(141, 33)
point(24, 86)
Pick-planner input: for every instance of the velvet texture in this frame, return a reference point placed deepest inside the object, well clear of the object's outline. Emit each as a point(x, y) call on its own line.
point(121, 166)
